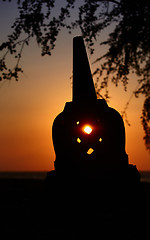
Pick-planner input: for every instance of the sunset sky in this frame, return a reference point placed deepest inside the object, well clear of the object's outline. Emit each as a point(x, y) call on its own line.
point(29, 106)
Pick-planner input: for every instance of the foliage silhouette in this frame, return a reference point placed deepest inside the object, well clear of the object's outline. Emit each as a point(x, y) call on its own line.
point(128, 43)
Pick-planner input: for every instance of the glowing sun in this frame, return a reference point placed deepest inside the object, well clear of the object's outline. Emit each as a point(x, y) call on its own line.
point(87, 129)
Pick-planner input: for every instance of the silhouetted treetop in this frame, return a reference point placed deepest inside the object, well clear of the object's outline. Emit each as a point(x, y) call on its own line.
point(128, 42)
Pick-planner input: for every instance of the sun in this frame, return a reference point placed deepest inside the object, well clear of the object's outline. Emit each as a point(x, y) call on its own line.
point(87, 129)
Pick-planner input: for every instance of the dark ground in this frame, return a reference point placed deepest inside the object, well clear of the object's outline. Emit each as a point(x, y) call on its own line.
point(40, 209)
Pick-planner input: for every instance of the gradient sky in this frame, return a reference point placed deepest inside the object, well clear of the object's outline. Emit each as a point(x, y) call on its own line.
point(29, 106)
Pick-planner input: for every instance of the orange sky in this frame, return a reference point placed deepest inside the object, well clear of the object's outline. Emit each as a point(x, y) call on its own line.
point(28, 108)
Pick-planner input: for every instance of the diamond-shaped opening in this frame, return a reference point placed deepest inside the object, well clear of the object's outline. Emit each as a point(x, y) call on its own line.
point(90, 151)
point(78, 140)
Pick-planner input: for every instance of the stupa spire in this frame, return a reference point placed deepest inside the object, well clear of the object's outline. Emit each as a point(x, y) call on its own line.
point(83, 86)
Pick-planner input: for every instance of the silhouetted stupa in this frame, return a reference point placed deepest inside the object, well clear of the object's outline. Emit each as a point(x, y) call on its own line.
point(88, 136)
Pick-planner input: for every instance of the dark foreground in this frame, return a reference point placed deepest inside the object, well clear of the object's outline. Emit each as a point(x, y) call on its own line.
point(56, 209)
